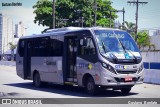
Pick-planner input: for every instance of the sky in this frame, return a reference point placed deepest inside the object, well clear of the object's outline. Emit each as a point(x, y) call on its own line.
point(22, 13)
point(149, 14)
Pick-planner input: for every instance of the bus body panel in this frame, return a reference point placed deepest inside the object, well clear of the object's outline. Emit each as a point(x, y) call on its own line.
point(49, 68)
point(19, 66)
point(85, 67)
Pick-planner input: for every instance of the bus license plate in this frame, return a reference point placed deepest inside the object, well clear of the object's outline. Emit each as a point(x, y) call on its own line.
point(127, 79)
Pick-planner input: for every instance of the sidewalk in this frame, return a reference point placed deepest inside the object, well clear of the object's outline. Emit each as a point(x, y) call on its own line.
point(8, 63)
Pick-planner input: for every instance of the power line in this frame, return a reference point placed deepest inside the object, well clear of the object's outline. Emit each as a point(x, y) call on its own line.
point(137, 5)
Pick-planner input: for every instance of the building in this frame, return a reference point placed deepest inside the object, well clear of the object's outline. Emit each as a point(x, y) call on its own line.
point(6, 33)
point(20, 30)
point(156, 33)
point(155, 40)
point(117, 24)
point(144, 30)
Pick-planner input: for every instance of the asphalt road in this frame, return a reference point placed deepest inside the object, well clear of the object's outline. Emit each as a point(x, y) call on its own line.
point(12, 86)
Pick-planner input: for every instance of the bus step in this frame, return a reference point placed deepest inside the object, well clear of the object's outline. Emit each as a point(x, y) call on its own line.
point(71, 83)
point(71, 79)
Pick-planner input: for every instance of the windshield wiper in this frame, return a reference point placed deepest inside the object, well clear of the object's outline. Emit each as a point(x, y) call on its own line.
point(105, 50)
point(103, 46)
point(124, 48)
point(135, 58)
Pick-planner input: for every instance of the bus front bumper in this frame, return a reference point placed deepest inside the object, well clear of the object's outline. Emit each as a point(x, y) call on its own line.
point(120, 81)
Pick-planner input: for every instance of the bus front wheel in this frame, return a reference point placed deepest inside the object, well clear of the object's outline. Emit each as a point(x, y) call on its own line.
point(37, 80)
point(91, 87)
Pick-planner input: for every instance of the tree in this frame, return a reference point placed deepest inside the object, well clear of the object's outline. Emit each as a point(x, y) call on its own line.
point(43, 11)
point(12, 47)
point(130, 27)
point(143, 36)
point(73, 13)
point(144, 40)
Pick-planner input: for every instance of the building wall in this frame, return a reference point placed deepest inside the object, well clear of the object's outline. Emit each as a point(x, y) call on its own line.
point(0, 34)
point(157, 32)
point(152, 67)
point(6, 32)
point(156, 41)
point(151, 56)
point(151, 61)
point(20, 29)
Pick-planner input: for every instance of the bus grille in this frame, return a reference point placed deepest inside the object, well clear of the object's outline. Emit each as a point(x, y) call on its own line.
point(126, 72)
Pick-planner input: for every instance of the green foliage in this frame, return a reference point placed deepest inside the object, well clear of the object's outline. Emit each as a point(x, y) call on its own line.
point(144, 40)
point(143, 36)
point(43, 11)
point(130, 27)
point(73, 11)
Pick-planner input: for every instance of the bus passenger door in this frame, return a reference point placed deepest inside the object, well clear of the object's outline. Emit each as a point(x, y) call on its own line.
point(86, 58)
point(70, 59)
point(27, 60)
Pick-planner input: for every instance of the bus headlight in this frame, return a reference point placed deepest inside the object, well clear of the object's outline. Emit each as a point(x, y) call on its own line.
point(140, 68)
point(108, 67)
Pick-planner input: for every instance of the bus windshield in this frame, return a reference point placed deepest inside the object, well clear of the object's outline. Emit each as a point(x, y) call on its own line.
point(115, 41)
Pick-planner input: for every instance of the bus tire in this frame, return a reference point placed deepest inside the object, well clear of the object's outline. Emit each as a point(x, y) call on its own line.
point(37, 80)
point(90, 86)
point(125, 90)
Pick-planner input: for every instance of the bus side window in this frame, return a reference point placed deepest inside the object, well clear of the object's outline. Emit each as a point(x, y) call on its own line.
point(86, 47)
point(35, 47)
point(21, 48)
point(56, 47)
point(40, 47)
point(43, 47)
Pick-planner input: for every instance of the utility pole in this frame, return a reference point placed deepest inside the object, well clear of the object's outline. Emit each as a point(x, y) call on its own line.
point(82, 21)
point(53, 14)
point(137, 5)
point(117, 11)
point(110, 12)
point(123, 18)
point(95, 10)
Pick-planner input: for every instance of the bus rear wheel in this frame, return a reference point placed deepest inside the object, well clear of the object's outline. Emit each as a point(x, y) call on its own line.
point(125, 90)
point(37, 80)
point(91, 87)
